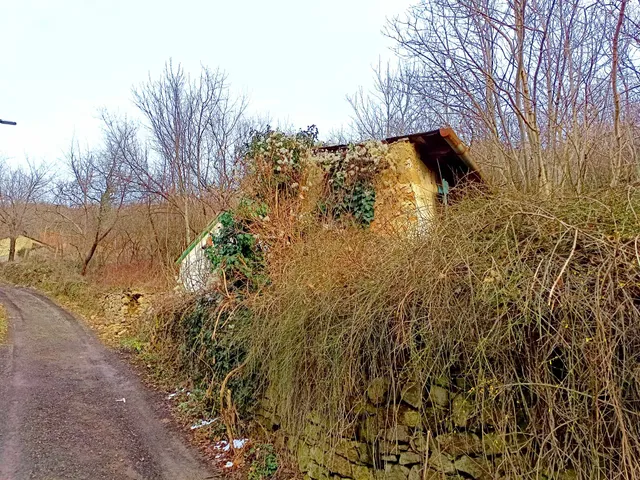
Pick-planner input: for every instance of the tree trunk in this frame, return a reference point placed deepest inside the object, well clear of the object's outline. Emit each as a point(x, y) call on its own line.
point(617, 166)
point(87, 259)
point(12, 248)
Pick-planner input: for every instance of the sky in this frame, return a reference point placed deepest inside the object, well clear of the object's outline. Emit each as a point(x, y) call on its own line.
point(62, 61)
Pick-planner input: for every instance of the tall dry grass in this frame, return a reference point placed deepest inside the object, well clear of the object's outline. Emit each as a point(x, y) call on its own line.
point(530, 306)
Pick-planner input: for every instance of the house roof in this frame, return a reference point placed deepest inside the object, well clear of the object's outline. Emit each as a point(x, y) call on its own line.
point(197, 240)
point(441, 150)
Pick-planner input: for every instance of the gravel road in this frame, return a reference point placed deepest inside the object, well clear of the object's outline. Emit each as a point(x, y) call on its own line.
point(61, 410)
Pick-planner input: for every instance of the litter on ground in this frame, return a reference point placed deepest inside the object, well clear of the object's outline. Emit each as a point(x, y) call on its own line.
point(240, 443)
point(202, 423)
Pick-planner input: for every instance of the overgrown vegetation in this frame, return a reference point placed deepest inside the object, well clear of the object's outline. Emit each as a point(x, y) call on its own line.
point(264, 462)
point(58, 279)
point(524, 298)
point(209, 337)
point(529, 305)
point(235, 254)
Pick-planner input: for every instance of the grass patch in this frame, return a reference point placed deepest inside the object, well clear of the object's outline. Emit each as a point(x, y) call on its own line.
point(4, 324)
point(57, 279)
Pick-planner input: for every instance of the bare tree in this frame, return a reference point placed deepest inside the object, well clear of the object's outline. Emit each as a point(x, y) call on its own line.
point(615, 62)
point(391, 108)
point(92, 201)
point(532, 83)
point(20, 189)
point(197, 128)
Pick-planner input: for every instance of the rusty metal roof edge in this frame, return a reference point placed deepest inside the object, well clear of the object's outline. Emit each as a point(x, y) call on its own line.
point(447, 133)
point(461, 149)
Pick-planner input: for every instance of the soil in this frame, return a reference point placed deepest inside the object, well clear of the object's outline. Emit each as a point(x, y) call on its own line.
point(71, 409)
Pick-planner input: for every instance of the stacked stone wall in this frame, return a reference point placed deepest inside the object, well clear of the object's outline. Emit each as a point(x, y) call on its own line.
point(419, 434)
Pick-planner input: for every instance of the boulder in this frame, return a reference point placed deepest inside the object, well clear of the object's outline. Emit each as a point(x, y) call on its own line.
point(441, 462)
point(399, 433)
point(478, 468)
point(417, 473)
point(396, 472)
point(409, 417)
point(303, 455)
point(410, 458)
point(352, 450)
point(360, 472)
point(377, 391)
point(439, 396)
point(339, 465)
point(418, 442)
point(391, 448)
point(493, 444)
point(313, 433)
point(318, 454)
point(317, 472)
point(412, 395)
point(462, 411)
point(389, 459)
point(458, 444)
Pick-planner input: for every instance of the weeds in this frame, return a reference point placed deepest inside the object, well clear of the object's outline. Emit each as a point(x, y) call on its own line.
point(59, 279)
point(132, 345)
point(264, 462)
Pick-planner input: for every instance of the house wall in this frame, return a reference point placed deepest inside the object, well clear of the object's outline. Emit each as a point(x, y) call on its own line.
point(24, 245)
point(405, 192)
point(195, 269)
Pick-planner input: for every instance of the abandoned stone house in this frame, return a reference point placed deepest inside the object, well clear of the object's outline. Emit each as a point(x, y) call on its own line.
point(25, 247)
point(423, 168)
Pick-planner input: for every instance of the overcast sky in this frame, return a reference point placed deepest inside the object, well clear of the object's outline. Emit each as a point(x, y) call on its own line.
point(61, 61)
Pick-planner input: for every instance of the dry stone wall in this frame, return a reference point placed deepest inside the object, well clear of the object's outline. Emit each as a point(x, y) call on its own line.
point(419, 434)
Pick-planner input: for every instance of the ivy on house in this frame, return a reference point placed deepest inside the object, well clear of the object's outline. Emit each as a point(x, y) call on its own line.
point(350, 176)
point(235, 253)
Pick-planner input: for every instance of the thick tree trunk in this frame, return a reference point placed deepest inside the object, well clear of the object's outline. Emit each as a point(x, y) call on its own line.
point(12, 248)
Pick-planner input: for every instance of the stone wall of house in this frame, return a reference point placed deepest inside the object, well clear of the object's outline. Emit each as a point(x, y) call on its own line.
point(393, 438)
point(396, 205)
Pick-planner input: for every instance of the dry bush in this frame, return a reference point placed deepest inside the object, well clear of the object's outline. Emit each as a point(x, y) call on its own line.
point(531, 307)
point(141, 274)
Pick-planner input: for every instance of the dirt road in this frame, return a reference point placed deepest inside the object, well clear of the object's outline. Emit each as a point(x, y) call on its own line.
point(61, 410)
